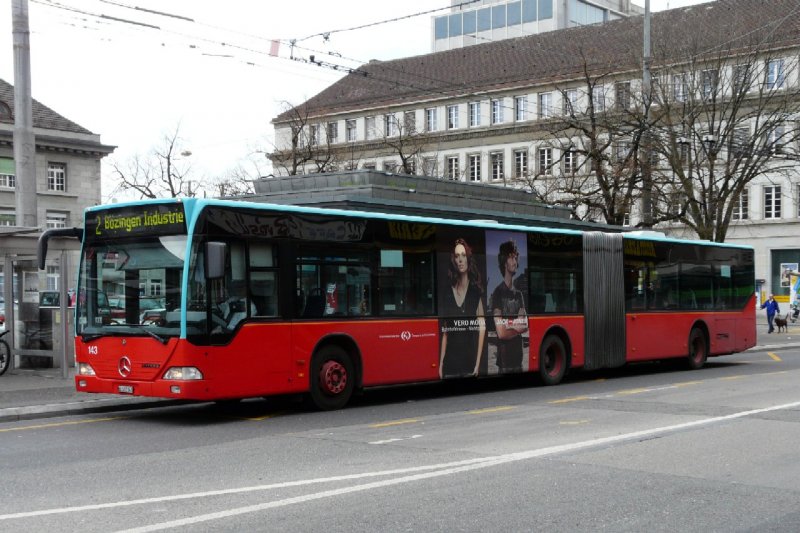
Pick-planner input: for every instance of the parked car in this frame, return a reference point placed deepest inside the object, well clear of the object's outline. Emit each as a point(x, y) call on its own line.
point(2, 312)
point(152, 310)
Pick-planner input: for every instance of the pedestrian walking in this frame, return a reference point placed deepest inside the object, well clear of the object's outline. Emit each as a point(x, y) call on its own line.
point(772, 309)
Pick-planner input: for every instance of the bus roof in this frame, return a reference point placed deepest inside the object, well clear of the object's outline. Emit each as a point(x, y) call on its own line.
point(194, 206)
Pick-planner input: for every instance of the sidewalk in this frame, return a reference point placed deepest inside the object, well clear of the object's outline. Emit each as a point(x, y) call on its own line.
point(45, 393)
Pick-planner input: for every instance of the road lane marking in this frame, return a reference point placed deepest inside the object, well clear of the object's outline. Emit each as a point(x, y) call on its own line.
point(568, 400)
point(732, 378)
point(410, 474)
point(633, 391)
point(395, 423)
point(687, 383)
point(450, 470)
point(573, 422)
point(61, 424)
point(491, 410)
point(774, 356)
point(387, 441)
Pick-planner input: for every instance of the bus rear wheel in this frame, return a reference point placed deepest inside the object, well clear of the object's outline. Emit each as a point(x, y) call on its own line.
point(552, 360)
point(698, 349)
point(332, 378)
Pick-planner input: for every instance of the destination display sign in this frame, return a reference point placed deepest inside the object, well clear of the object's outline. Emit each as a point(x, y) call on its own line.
point(132, 221)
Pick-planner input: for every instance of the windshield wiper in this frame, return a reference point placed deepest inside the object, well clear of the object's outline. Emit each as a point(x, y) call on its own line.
point(156, 336)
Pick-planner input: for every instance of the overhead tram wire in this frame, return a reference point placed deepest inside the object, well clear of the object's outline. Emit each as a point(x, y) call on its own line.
point(333, 66)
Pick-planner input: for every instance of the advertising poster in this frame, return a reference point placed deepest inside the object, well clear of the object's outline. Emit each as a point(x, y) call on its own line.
point(506, 258)
point(462, 302)
point(787, 270)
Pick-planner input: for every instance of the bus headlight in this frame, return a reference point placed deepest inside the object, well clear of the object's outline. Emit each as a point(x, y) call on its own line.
point(183, 373)
point(85, 369)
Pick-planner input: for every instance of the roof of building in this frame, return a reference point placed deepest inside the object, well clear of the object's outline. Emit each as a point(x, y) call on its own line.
point(43, 116)
point(724, 27)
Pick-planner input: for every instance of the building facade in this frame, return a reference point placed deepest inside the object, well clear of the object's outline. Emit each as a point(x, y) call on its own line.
point(491, 20)
point(68, 158)
point(504, 113)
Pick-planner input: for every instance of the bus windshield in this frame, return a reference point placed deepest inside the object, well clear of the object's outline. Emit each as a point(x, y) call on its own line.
point(131, 287)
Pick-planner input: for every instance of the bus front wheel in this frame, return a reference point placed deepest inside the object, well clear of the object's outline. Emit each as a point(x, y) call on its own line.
point(552, 360)
point(332, 378)
point(698, 349)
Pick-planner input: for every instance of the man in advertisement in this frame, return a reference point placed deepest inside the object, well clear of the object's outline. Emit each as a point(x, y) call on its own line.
point(508, 308)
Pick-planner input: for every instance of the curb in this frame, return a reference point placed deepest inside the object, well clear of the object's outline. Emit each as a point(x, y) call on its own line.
point(33, 412)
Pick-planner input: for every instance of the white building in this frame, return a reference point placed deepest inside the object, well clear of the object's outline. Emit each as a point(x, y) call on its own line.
point(491, 20)
point(485, 113)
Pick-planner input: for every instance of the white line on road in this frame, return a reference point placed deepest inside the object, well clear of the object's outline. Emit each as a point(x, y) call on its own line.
point(418, 473)
point(387, 441)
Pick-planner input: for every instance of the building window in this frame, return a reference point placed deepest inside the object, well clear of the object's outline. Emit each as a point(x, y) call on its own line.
point(570, 162)
point(56, 177)
point(599, 98)
point(390, 125)
point(520, 163)
point(545, 105)
point(545, 161)
point(498, 162)
point(626, 219)
point(8, 217)
point(350, 130)
point(570, 102)
point(7, 172)
point(772, 201)
point(333, 132)
point(430, 119)
point(742, 79)
point(52, 277)
point(56, 219)
point(429, 166)
point(679, 87)
point(411, 166)
point(520, 108)
point(155, 287)
point(452, 168)
point(475, 173)
point(776, 76)
point(410, 122)
point(390, 166)
point(740, 208)
point(709, 86)
point(474, 114)
point(497, 111)
point(622, 92)
point(452, 117)
point(369, 128)
point(369, 166)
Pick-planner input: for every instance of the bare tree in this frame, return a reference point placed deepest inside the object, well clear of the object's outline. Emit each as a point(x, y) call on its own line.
point(163, 173)
point(403, 139)
point(306, 144)
point(724, 121)
point(596, 173)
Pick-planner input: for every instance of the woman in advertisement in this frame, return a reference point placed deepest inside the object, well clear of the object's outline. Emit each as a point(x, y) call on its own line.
point(464, 329)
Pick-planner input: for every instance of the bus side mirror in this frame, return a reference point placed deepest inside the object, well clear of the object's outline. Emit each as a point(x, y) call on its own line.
point(215, 259)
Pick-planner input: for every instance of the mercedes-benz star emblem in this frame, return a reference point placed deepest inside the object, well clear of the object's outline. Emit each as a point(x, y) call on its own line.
point(124, 367)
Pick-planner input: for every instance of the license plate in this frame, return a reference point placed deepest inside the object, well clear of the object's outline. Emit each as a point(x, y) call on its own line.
point(125, 389)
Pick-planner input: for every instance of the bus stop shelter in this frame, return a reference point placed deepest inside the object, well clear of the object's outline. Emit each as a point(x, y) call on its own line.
point(38, 305)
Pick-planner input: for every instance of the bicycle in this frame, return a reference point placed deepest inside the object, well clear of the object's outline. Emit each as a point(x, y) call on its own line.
point(5, 354)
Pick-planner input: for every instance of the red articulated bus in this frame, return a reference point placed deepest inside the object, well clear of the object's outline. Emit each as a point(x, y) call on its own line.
point(269, 299)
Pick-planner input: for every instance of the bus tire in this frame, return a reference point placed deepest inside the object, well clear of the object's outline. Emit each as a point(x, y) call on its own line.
point(698, 350)
point(333, 378)
point(552, 360)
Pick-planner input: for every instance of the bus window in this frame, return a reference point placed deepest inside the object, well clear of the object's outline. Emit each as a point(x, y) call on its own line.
point(333, 284)
point(263, 279)
point(405, 283)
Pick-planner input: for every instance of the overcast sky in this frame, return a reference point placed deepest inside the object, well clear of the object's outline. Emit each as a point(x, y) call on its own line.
point(213, 75)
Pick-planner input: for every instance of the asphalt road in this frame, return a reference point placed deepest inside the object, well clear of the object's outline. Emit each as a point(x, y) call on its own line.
point(645, 448)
